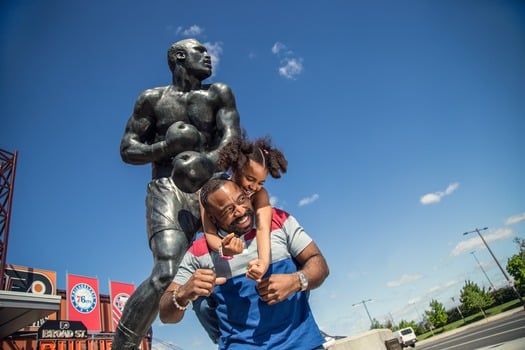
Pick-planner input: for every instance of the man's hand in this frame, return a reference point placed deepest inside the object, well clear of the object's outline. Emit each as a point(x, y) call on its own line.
point(256, 269)
point(201, 283)
point(232, 245)
point(277, 288)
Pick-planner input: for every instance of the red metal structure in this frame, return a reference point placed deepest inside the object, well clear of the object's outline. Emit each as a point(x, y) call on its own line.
point(7, 184)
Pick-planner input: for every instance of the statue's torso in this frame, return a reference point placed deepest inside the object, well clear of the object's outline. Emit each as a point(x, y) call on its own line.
point(198, 107)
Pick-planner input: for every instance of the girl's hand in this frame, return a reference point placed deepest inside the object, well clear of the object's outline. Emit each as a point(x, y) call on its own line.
point(256, 269)
point(232, 245)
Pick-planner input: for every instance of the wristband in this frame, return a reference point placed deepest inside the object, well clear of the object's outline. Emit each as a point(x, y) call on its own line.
point(225, 257)
point(174, 299)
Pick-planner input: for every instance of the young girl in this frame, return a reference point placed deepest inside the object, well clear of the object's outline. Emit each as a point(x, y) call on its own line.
point(250, 162)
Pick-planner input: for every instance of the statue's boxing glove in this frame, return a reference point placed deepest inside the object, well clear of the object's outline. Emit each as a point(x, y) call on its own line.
point(181, 137)
point(191, 170)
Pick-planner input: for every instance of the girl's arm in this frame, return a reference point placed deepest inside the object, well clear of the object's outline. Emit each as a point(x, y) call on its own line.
point(263, 212)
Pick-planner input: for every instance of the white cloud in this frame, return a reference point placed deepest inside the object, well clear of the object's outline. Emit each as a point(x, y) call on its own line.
point(452, 283)
point(404, 280)
point(435, 197)
point(291, 68)
point(451, 188)
point(290, 64)
point(441, 287)
point(273, 201)
point(215, 52)
point(193, 30)
point(476, 242)
point(414, 300)
point(515, 219)
point(430, 198)
point(278, 47)
point(308, 200)
point(434, 289)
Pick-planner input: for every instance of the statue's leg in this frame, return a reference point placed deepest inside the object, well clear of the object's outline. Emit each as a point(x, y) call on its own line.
point(173, 220)
point(142, 307)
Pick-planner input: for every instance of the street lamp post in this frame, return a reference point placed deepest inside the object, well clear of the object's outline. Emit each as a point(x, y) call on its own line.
point(417, 312)
point(368, 313)
point(457, 308)
point(497, 262)
point(482, 269)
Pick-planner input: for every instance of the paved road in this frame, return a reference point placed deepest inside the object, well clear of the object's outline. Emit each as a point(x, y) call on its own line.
point(505, 331)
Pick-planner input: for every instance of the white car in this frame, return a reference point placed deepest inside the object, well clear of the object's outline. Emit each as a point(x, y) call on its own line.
point(330, 339)
point(406, 337)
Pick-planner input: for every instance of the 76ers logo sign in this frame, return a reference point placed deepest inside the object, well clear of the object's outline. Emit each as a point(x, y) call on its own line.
point(120, 301)
point(83, 298)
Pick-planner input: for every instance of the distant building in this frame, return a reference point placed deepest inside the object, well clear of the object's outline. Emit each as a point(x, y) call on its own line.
point(33, 314)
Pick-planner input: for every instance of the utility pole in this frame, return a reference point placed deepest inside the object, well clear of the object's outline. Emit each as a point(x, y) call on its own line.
point(497, 262)
point(368, 313)
point(482, 269)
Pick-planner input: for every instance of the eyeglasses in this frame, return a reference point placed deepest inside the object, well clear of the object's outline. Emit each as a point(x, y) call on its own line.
point(230, 209)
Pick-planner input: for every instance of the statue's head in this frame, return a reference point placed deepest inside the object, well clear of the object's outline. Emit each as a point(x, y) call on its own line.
point(191, 56)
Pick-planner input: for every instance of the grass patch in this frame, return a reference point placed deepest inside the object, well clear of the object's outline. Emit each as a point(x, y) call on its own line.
point(472, 318)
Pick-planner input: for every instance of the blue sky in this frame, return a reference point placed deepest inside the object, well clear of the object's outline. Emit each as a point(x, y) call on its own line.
point(403, 123)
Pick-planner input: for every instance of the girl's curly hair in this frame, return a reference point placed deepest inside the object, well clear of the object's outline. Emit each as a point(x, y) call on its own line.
point(238, 152)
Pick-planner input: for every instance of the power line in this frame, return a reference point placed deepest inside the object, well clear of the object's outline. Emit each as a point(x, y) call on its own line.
point(368, 313)
point(167, 344)
point(482, 269)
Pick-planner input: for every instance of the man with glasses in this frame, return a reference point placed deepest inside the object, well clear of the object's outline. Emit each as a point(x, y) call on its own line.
point(237, 312)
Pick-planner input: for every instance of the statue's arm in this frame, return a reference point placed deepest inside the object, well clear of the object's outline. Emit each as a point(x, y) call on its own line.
point(227, 117)
point(137, 145)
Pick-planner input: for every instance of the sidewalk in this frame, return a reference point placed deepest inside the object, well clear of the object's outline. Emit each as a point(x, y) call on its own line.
point(518, 344)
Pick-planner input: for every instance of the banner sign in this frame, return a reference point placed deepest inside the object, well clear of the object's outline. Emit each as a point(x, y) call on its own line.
point(119, 293)
point(83, 302)
point(30, 280)
point(62, 330)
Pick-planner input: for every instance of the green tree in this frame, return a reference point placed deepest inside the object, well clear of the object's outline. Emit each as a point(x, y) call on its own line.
point(516, 264)
point(473, 298)
point(437, 315)
point(404, 324)
point(376, 325)
point(420, 329)
point(388, 324)
point(520, 242)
